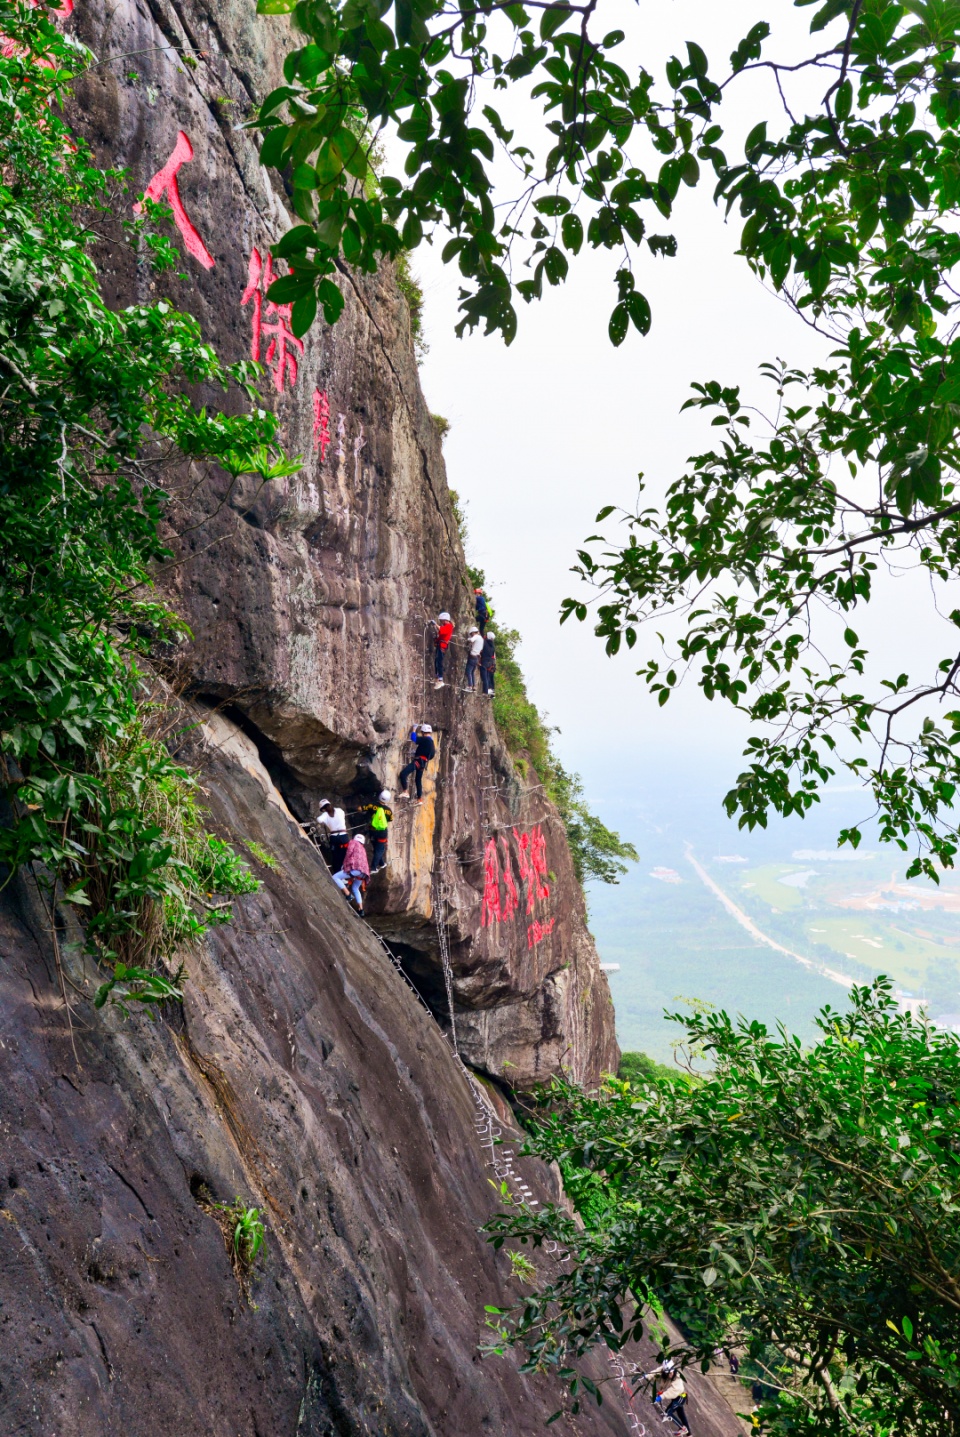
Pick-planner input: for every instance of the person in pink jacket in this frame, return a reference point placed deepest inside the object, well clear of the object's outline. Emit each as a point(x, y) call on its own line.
point(355, 871)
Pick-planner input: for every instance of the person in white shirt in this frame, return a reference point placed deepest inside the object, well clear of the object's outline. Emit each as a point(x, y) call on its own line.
point(332, 823)
point(474, 650)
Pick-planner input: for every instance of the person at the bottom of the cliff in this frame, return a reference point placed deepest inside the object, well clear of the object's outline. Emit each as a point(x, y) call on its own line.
point(355, 871)
point(332, 824)
point(426, 749)
point(444, 628)
point(381, 816)
point(488, 662)
point(474, 650)
point(483, 610)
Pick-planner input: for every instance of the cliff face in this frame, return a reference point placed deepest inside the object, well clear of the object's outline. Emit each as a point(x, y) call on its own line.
point(308, 600)
point(303, 1073)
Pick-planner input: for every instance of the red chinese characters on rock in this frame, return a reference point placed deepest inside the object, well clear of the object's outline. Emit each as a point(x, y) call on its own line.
point(532, 858)
point(531, 850)
point(321, 422)
point(163, 183)
point(273, 319)
point(537, 931)
point(490, 911)
point(511, 898)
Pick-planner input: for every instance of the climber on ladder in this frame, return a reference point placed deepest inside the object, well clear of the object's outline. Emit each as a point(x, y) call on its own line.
point(355, 872)
point(333, 822)
point(380, 817)
point(488, 662)
point(426, 750)
point(444, 626)
point(483, 610)
point(474, 650)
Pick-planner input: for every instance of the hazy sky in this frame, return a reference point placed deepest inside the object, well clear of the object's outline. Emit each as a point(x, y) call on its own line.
point(545, 432)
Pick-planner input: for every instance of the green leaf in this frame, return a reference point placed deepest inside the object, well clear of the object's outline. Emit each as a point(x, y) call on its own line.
point(552, 19)
point(332, 300)
point(287, 288)
point(571, 232)
point(295, 241)
point(619, 324)
point(276, 7)
point(303, 313)
point(275, 99)
point(271, 151)
point(552, 205)
point(698, 59)
point(828, 12)
point(638, 309)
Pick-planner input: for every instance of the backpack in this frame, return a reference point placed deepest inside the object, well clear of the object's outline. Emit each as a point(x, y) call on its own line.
point(379, 821)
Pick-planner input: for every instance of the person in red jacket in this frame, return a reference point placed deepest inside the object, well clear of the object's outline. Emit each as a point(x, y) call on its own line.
point(444, 628)
point(355, 871)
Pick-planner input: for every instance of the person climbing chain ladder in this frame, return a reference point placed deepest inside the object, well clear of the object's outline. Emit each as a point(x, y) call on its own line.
point(483, 611)
point(332, 823)
point(422, 736)
point(381, 816)
point(355, 872)
point(444, 626)
point(672, 1396)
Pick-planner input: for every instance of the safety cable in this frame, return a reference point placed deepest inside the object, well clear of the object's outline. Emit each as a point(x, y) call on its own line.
point(490, 1135)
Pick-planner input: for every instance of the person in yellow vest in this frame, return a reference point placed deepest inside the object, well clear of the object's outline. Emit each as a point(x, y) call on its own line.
point(381, 816)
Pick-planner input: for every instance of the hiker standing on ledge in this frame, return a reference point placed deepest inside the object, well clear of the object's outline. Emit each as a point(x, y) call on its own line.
point(444, 628)
point(483, 611)
point(426, 749)
point(380, 816)
point(333, 822)
point(474, 650)
point(488, 663)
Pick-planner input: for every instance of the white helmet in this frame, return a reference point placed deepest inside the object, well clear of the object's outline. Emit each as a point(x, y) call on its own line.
point(425, 728)
point(360, 837)
point(386, 796)
point(324, 803)
point(474, 630)
point(445, 617)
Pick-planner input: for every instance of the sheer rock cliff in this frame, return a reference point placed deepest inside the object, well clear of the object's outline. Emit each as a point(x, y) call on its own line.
point(311, 1069)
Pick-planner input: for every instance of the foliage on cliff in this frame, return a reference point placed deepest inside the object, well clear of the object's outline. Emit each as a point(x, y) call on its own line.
point(93, 414)
point(799, 1199)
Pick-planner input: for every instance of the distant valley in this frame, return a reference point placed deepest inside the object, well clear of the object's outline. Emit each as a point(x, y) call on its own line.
point(682, 925)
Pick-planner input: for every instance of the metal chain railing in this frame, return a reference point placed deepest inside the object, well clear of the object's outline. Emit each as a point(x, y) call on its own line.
point(490, 1134)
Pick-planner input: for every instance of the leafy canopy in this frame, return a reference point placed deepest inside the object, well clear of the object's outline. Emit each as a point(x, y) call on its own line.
point(802, 1203)
point(94, 413)
point(770, 546)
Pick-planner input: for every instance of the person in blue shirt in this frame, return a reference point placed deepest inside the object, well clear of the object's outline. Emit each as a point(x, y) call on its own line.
point(426, 750)
point(483, 611)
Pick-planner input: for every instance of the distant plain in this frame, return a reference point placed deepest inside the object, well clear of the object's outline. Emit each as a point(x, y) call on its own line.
point(853, 915)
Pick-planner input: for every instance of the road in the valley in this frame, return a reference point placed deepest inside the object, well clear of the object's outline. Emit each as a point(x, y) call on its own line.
point(747, 922)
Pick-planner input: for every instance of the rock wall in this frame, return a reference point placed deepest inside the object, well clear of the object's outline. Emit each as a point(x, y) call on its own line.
point(303, 1073)
point(308, 599)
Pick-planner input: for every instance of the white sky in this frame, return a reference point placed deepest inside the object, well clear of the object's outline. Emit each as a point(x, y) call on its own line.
point(547, 431)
